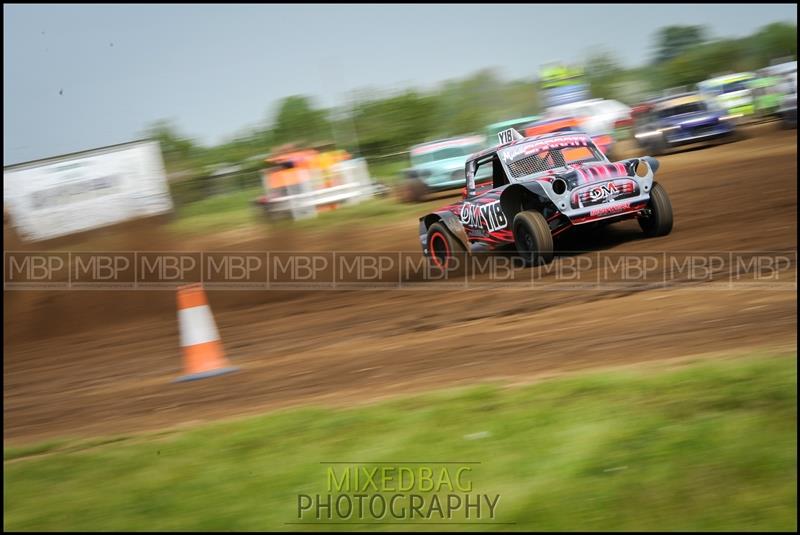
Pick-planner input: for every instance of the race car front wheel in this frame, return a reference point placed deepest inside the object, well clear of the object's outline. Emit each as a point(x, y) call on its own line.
point(533, 238)
point(657, 220)
point(444, 250)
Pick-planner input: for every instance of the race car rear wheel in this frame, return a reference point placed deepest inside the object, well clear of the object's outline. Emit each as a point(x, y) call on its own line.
point(533, 238)
point(443, 248)
point(658, 218)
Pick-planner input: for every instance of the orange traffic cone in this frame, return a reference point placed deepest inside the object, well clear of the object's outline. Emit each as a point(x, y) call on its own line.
point(202, 349)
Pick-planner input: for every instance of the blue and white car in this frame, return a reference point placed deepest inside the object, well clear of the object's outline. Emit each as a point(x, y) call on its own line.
point(681, 120)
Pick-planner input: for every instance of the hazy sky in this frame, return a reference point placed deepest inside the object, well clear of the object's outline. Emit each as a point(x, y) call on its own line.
point(83, 76)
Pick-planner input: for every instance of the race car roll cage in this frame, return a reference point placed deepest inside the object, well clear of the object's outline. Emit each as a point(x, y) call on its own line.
point(500, 173)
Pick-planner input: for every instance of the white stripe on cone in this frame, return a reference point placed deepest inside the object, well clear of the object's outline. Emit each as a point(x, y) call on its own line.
point(197, 326)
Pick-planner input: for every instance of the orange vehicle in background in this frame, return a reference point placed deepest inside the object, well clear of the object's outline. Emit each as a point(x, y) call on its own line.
point(290, 171)
point(303, 182)
point(287, 171)
point(604, 142)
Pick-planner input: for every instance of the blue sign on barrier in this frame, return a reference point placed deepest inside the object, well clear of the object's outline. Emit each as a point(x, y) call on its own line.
point(565, 94)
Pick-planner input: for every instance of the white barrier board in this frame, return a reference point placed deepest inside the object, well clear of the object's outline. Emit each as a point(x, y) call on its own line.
point(88, 190)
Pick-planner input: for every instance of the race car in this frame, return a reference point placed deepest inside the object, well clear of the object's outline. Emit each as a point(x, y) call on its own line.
point(437, 166)
point(731, 92)
point(598, 116)
point(541, 187)
point(681, 120)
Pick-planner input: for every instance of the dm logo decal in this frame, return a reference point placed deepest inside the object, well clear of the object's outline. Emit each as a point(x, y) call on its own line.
point(489, 216)
point(603, 192)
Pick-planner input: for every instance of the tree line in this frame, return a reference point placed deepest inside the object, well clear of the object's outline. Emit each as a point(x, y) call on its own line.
point(375, 125)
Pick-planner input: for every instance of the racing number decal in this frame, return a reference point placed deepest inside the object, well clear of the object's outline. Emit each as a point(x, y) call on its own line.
point(489, 216)
point(505, 136)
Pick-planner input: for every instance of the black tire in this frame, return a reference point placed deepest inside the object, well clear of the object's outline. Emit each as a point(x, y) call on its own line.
point(533, 238)
point(659, 220)
point(788, 120)
point(442, 247)
point(413, 190)
point(658, 147)
point(738, 135)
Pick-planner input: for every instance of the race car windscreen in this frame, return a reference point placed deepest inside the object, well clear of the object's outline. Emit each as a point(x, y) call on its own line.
point(741, 85)
point(553, 158)
point(692, 107)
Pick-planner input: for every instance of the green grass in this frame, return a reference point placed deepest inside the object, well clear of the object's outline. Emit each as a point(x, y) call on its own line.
point(41, 448)
point(388, 170)
point(710, 445)
point(370, 212)
point(220, 212)
point(236, 210)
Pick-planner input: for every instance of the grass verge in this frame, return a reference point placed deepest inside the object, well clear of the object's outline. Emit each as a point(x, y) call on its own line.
point(709, 445)
point(220, 212)
point(237, 210)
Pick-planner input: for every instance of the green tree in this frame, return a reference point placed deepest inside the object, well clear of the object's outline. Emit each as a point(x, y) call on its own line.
point(381, 122)
point(773, 42)
point(175, 147)
point(671, 41)
point(298, 121)
point(394, 123)
point(729, 55)
point(477, 97)
point(517, 98)
point(602, 73)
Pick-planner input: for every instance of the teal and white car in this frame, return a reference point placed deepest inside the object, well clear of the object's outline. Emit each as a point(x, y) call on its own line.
point(731, 92)
point(438, 166)
point(518, 124)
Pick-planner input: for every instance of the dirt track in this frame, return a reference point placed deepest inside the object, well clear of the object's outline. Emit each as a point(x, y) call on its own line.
point(86, 363)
